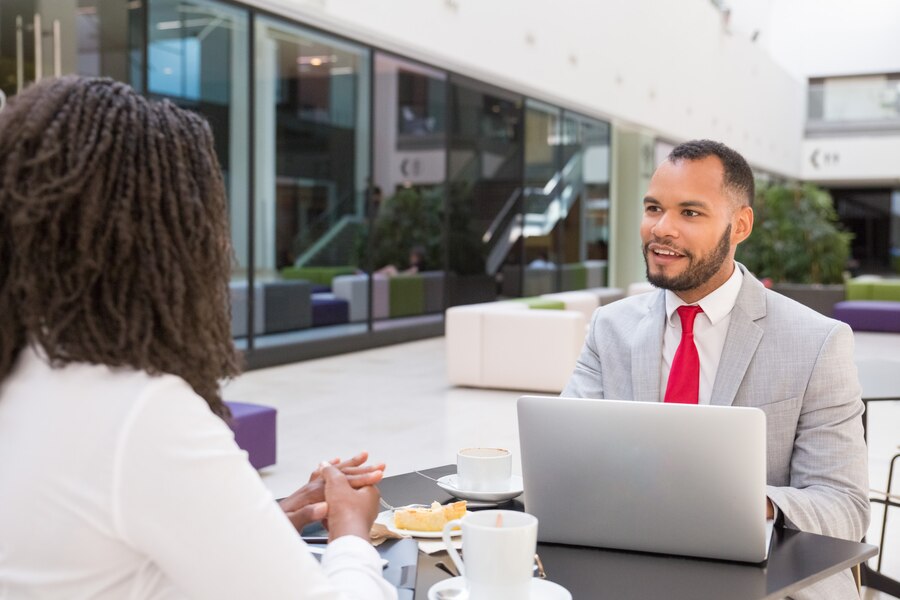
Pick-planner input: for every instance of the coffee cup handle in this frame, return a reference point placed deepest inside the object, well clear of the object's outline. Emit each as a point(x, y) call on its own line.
point(454, 555)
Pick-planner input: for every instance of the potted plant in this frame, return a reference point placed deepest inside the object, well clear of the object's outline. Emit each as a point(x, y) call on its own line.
point(410, 218)
point(798, 243)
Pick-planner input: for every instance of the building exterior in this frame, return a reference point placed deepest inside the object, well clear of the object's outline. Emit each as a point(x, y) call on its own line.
point(483, 136)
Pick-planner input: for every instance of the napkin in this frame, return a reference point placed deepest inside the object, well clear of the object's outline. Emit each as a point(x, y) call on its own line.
point(379, 534)
point(435, 546)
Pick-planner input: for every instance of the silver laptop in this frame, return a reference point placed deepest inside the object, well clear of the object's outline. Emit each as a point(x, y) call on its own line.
point(648, 476)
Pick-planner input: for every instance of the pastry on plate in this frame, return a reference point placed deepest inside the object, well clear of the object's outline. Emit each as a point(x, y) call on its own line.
point(432, 518)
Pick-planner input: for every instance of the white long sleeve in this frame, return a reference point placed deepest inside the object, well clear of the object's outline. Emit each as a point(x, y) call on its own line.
point(139, 491)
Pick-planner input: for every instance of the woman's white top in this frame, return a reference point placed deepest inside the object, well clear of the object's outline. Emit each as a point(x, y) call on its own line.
point(115, 484)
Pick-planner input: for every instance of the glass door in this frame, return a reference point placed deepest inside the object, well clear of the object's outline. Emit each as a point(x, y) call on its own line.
point(198, 58)
point(50, 38)
point(311, 138)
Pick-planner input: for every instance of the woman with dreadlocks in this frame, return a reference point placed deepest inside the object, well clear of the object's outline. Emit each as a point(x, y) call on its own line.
point(118, 478)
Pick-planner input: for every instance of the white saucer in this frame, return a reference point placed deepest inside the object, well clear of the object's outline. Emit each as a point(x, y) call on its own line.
point(515, 487)
point(541, 589)
point(386, 518)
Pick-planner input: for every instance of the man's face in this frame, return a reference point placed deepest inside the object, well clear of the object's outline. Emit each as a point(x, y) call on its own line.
point(691, 227)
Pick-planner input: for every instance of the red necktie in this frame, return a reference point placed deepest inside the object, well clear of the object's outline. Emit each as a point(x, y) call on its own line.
point(684, 377)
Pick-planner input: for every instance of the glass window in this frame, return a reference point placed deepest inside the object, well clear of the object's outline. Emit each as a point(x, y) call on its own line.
point(198, 58)
point(421, 102)
point(873, 216)
point(484, 189)
point(408, 195)
point(588, 161)
point(855, 99)
point(312, 152)
point(545, 201)
point(47, 38)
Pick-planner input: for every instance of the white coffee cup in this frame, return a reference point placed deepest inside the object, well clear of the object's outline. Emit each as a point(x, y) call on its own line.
point(499, 546)
point(483, 469)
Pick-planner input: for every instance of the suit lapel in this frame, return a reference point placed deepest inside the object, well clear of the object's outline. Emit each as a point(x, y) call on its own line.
point(741, 341)
point(646, 350)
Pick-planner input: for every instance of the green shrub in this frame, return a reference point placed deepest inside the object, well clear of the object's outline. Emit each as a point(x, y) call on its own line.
point(415, 217)
point(796, 237)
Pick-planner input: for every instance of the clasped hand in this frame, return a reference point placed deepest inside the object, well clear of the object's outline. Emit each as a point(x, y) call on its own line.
point(341, 494)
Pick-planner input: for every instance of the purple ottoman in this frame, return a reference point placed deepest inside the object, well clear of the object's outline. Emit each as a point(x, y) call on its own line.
point(869, 315)
point(327, 309)
point(254, 431)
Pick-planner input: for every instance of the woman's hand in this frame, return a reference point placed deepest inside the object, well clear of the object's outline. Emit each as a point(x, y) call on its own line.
point(351, 511)
point(307, 504)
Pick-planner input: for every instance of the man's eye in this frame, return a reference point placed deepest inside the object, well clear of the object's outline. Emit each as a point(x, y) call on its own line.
point(651, 208)
point(691, 213)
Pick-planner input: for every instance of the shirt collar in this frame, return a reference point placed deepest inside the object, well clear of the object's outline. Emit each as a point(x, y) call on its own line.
point(716, 305)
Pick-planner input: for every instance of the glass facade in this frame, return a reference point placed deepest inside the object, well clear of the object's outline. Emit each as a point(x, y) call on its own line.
point(544, 206)
point(49, 38)
point(311, 134)
point(565, 208)
point(344, 164)
point(484, 188)
point(587, 149)
point(406, 248)
point(873, 216)
point(196, 57)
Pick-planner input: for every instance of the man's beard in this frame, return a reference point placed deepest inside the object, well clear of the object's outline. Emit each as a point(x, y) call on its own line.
point(696, 274)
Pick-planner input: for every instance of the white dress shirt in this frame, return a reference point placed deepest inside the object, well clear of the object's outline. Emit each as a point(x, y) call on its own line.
point(710, 329)
point(115, 484)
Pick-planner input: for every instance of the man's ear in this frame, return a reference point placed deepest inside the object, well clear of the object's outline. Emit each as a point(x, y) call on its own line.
point(743, 224)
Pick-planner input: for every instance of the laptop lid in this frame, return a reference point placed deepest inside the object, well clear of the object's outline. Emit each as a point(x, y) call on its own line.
point(655, 477)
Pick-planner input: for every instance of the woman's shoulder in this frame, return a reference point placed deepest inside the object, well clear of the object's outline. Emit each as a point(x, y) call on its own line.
point(83, 386)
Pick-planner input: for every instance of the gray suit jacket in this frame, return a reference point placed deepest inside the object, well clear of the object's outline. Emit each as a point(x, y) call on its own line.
point(780, 356)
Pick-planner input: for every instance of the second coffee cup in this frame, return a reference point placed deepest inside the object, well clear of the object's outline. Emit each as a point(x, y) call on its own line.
point(483, 469)
point(499, 548)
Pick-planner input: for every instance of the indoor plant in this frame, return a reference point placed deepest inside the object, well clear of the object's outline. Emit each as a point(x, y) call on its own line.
point(798, 243)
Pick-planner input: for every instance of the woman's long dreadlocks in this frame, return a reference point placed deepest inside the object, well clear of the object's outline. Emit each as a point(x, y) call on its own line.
point(114, 244)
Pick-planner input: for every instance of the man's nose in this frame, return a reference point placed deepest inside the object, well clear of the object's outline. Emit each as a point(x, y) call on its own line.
point(664, 227)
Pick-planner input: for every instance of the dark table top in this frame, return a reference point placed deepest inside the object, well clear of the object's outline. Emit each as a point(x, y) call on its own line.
point(796, 560)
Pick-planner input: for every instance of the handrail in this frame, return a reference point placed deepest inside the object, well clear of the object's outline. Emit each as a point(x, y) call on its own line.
point(301, 244)
point(320, 244)
point(501, 216)
point(504, 231)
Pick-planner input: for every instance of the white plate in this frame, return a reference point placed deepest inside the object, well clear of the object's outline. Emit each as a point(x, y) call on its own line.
point(386, 518)
point(448, 484)
point(541, 589)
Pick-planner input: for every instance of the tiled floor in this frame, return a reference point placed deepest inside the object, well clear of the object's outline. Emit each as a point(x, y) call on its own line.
point(396, 403)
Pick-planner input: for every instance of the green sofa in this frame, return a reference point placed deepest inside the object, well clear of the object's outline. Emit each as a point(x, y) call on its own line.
point(316, 275)
point(538, 302)
point(874, 289)
point(407, 295)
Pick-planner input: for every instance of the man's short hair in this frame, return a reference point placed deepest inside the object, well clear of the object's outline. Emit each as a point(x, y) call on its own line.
point(737, 178)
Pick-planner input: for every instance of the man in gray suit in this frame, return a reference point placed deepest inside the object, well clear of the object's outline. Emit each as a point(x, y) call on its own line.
point(754, 347)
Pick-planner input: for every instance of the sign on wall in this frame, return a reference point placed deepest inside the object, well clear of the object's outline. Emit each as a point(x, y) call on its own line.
point(852, 158)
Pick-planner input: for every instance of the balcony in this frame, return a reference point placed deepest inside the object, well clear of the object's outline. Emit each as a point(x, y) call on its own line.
point(868, 105)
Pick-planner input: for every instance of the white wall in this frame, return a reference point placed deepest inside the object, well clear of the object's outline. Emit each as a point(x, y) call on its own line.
point(671, 68)
point(817, 38)
point(867, 161)
point(821, 38)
